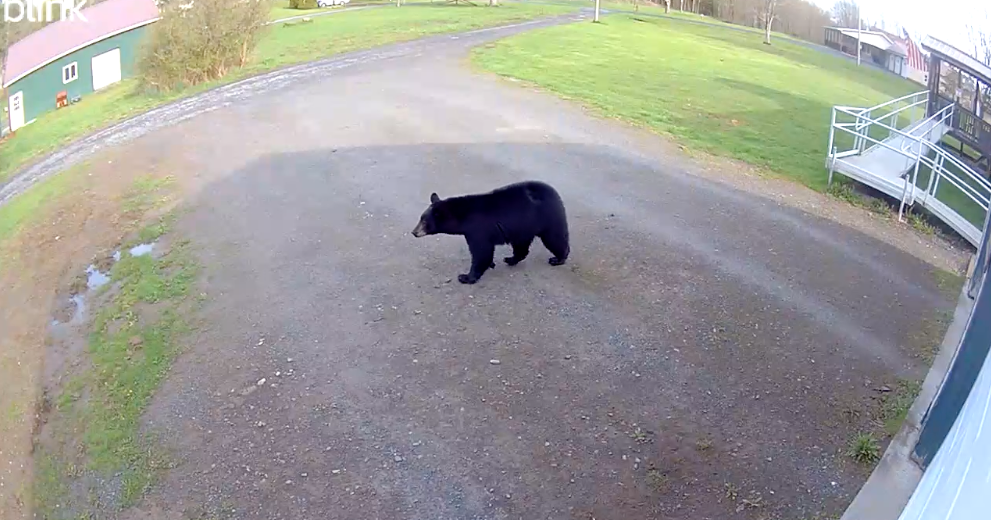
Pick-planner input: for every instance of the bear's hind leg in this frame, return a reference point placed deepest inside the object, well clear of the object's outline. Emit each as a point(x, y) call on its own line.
point(520, 250)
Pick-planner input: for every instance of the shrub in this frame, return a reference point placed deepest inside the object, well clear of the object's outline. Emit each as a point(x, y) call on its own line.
point(201, 41)
point(302, 4)
point(864, 449)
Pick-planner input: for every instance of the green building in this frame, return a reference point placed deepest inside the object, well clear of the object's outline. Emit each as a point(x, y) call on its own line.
point(67, 60)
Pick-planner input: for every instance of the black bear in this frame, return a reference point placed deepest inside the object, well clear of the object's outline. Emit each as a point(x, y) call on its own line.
point(513, 214)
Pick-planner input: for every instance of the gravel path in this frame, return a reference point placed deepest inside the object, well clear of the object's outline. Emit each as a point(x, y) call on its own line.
point(698, 357)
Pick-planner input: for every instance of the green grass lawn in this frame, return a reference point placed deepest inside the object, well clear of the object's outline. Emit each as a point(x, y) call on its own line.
point(325, 36)
point(20, 210)
point(657, 9)
point(369, 28)
point(723, 92)
point(55, 128)
point(282, 10)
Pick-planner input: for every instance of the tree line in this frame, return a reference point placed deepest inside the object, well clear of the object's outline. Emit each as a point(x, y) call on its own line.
point(799, 18)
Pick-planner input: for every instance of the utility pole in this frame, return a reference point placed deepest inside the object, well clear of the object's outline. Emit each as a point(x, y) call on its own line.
point(596, 20)
point(859, 24)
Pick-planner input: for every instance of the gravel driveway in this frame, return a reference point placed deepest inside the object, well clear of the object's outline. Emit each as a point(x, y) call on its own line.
point(698, 356)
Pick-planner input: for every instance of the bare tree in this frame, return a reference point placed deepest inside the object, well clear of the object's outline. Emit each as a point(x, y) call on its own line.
point(846, 13)
point(667, 6)
point(980, 37)
point(767, 18)
point(4, 38)
point(731, 10)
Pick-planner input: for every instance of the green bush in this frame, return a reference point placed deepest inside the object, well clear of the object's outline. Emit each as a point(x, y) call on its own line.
point(302, 4)
point(192, 45)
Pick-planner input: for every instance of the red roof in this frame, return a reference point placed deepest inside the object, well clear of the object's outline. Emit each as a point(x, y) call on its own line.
point(60, 38)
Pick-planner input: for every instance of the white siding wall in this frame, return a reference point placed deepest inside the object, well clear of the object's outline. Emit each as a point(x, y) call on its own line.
point(957, 484)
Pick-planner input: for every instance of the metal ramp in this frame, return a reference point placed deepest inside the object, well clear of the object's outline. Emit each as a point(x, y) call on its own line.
point(896, 151)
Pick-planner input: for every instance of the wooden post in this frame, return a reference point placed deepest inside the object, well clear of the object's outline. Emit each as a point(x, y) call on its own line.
point(933, 105)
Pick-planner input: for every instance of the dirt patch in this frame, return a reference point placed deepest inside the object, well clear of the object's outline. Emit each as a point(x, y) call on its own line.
point(90, 445)
point(44, 268)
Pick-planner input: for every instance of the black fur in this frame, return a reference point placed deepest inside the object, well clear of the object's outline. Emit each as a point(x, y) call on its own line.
point(513, 214)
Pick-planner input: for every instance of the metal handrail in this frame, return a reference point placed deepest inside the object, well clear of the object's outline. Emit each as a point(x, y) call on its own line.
point(864, 120)
point(923, 93)
point(870, 122)
point(917, 140)
point(955, 179)
point(843, 126)
point(939, 171)
point(915, 149)
point(859, 114)
point(935, 171)
point(881, 143)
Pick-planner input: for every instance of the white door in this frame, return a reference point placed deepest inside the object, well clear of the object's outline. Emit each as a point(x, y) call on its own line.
point(106, 69)
point(15, 104)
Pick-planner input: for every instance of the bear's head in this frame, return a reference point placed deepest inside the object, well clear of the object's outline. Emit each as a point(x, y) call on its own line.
point(437, 218)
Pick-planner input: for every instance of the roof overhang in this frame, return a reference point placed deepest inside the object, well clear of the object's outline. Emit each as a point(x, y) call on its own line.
point(874, 39)
point(958, 57)
point(76, 48)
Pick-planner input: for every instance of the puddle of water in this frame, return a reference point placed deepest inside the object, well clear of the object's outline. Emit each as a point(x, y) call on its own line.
point(142, 249)
point(138, 250)
point(77, 316)
point(78, 303)
point(95, 277)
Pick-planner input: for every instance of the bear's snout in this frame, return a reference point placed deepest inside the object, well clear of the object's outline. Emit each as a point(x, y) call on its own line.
point(418, 231)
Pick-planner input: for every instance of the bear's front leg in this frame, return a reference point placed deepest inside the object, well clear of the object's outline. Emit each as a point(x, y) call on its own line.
point(482, 253)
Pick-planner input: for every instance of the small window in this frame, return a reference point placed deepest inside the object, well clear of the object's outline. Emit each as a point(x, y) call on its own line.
point(70, 72)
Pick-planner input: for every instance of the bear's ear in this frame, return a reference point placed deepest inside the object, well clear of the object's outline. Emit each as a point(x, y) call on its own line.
point(434, 199)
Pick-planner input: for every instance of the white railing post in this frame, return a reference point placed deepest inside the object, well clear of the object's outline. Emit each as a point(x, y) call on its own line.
point(901, 206)
point(856, 132)
point(918, 161)
point(860, 131)
point(915, 106)
point(830, 149)
point(937, 170)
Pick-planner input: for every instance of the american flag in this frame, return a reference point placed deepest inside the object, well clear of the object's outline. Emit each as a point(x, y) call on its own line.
point(915, 58)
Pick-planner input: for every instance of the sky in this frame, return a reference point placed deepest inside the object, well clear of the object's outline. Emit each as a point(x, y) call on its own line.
point(943, 19)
